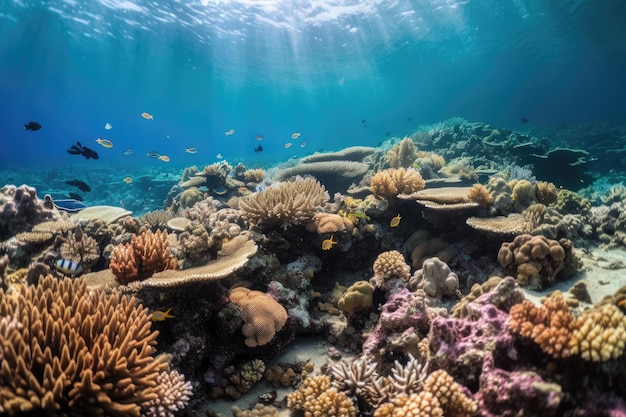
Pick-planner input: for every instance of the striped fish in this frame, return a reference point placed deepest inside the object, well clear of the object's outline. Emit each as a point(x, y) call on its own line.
point(68, 267)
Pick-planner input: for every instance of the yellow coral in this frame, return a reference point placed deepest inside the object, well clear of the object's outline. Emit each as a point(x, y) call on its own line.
point(317, 399)
point(359, 297)
point(479, 194)
point(600, 334)
point(390, 182)
point(449, 394)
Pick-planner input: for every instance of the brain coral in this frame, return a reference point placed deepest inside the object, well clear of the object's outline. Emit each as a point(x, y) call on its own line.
point(67, 350)
point(388, 183)
point(262, 315)
point(284, 203)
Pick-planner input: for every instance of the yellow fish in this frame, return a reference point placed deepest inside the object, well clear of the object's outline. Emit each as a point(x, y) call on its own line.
point(128, 180)
point(229, 132)
point(164, 158)
point(395, 221)
point(159, 315)
point(328, 243)
point(105, 143)
point(287, 145)
point(295, 135)
point(147, 116)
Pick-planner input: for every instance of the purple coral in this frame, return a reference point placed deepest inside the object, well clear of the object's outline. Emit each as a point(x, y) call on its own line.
point(403, 310)
point(460, 345)
point(516, 393)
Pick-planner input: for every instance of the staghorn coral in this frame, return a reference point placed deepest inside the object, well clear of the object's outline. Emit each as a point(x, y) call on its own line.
point(437, 281)
point(146, 254)
point(537, 259)
point(479, 194)
point(599, 334)
point(401, 155)
point(388, 183)
point(388, 267)
point(549, 325)
point(357, 298)
point(67, 350)
point(284, 204)
point(317, 399)
point(263, 316)
point(354, 377)
point(173, 395)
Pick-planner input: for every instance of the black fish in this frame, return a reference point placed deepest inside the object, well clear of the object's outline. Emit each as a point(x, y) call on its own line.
point(408, 119)
point(258, 149)
point(32, 126)
point(363, 121)
point(524, 119)
point(388, 134)
point(83, 186)
point(75, 196)
point(79, 149)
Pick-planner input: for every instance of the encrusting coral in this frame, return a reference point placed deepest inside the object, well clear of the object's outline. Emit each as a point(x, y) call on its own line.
point(263, 316)
point(67, 350)
point(285, 203)
point(388, 183)
point(146, 254)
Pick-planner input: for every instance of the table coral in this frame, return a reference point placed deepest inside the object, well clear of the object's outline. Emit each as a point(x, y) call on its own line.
point(388, 183)
point(69, 350)
point(285, 203)
point(263, 317)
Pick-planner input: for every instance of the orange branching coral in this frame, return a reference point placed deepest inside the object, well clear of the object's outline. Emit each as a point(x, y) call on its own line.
point(317, 399)
point(479, 194)
point(550, 325)
point(285, 203)
point(262, 315)
point(391, 264)
point(449, 394)
point(421, 404)
point(600, 334)
point(67, 350)
point(390, 182)
point(146, 254)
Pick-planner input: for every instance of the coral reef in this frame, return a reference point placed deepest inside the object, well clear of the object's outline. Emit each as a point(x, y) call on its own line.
point(66, 350)
point(479, 194)
point(173, 395)
point(388, 183)
point(358, 298)
point(20, 210)
point(284, 204)
point(391, 265)
point(401, 155)
point(263, 317)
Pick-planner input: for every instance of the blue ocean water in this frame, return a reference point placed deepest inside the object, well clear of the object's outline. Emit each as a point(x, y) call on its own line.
point(340, 72)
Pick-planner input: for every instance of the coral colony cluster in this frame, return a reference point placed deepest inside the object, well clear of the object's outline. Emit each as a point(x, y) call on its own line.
point(414, 270)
